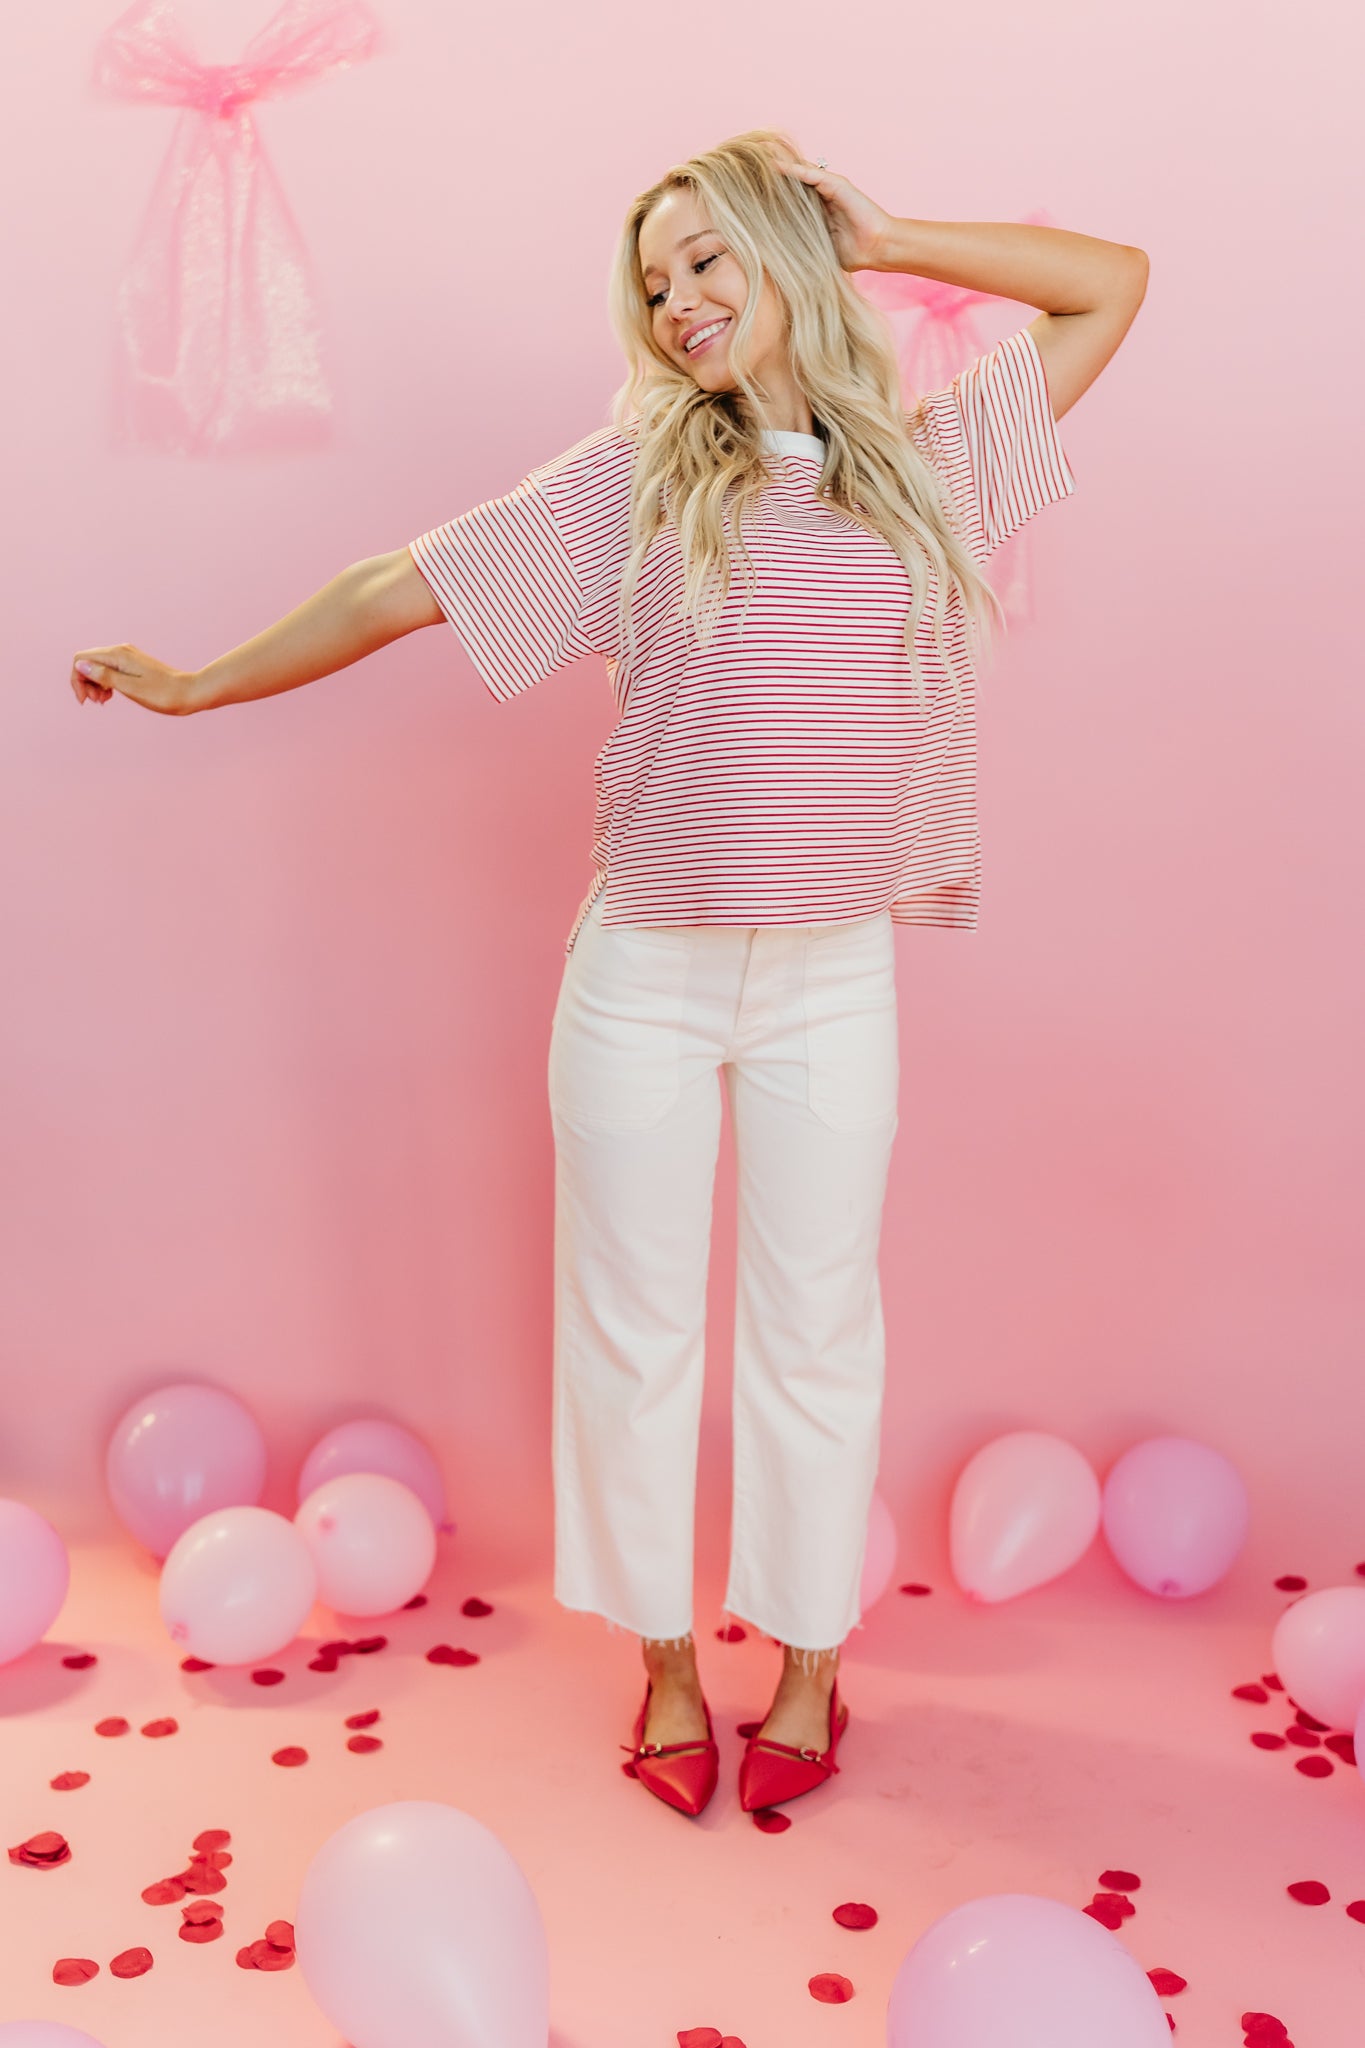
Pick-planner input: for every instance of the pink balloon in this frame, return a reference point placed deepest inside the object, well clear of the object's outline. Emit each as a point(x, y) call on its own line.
point(43, 2034)
point(1024, 1509)
point(371, 1540)
point(34, 1575)
point(1026, 1971)
point(416, 1928)
point(179, 1453)
point(879, 1558)
point(1175, 1515)
point(238, 1586)
point(1318, 1649)
point(372, 1445)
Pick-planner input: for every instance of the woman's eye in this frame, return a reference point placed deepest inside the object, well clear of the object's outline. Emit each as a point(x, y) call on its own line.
point(699, 265)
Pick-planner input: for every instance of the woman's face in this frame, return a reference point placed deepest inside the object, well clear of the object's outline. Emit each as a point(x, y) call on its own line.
point(692, 283)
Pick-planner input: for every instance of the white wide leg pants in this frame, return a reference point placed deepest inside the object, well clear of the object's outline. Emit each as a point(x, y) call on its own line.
point(802, 1022)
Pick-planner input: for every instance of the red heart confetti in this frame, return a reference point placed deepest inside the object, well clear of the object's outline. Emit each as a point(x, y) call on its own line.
point(1166, 1983)
point(731, 1633)
point(265, 1956)
point(475, 1608)
point(700, 2037)
point(131, 1962)
point(210, 1839)
point(731, 2041)
point(168, 1726)
point(215, 1859)
point(196, 1664)
point(417, 1600)
point(81, 1661)
point(1315, 1766)
point(917, 1590)
point(201, 1930)
point(748, 1728)
point(1308, 1892)
point(363, 1744)
point(322, 1664)
point(365, 1720)
point(1306, 1720)
point(1360, 1569)
point(74, 1970)
point(1342, 1746)
point(164, 1892)
point(69, 1781)
point(1170, 2021)
point(1116, 1902)
point(1290, 1583)
point(42, 1852)
point(1264, 1740)
point(444, 1654)
point(200, 1911)
point(202, 1877)
point(830, 1988)
point(280, 1934)
point(1257, 1693)
point(770, 1821)
point(854, 1915)
point(268, 1676)
point(1108, 1916)
point(1302, 1738)
point(1356, 1909)
point(290, 1757)
point(1120, 1881)
point(114, 1725)
point(339, 1648)
point(368, 1644)
point(1264, 2023)
point(1275, 1684)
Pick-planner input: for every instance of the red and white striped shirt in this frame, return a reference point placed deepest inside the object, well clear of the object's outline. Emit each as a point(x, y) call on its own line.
point(785, 774)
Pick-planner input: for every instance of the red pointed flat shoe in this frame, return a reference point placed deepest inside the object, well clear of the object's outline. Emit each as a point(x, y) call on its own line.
point(770, 1773)
point(682, 1774)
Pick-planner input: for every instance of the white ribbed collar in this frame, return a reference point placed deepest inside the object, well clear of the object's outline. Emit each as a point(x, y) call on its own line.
point(792, 444)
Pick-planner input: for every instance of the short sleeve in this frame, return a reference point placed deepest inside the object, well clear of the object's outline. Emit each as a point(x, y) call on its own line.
point(512, 575)
point(992, 438)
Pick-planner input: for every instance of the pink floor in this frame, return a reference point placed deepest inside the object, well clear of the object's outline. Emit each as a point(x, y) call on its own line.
point(1026, 1747)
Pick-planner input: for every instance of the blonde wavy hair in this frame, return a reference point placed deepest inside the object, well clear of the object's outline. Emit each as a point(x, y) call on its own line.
point(699, 451)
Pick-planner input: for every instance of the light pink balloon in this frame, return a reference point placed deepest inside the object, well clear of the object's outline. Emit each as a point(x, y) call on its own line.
point(371, 1540)
point(43, 2034)
point(1175, 1515)
point(416, 1928)
point(372, 1445)
point(879, 1558)
point(1024, 1509)
point(1318, 1649)
point(238, 1586)
point(1024, 1971)
point(179, 1453)
point(35, 1573)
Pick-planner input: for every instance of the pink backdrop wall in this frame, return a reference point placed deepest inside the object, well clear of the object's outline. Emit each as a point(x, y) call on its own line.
point(279, 980)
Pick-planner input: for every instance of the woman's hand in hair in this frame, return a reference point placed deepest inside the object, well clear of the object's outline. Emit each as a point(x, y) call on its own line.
point(856, 223)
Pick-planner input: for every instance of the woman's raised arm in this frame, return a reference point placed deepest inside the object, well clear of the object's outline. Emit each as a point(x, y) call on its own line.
point(363, 608)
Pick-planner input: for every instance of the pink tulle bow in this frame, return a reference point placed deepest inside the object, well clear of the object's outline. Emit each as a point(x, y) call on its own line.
point(219, 340)
point(942, 341)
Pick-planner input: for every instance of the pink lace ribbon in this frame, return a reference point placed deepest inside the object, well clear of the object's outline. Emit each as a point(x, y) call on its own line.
point(941, 342)
point(219, 342)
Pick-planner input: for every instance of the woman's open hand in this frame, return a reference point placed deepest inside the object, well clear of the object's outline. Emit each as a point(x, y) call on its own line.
point(97, 672)
point(857, 225)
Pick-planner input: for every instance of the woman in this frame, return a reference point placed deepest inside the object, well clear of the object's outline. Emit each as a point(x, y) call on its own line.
point(791, 774)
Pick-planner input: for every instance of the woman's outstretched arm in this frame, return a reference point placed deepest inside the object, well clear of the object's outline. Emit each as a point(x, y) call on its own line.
point(363, 608)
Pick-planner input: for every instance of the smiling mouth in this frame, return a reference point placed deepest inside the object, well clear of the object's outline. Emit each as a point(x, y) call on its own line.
point(702, 345)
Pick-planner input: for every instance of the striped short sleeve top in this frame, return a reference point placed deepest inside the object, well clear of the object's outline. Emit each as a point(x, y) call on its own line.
point(783, 774)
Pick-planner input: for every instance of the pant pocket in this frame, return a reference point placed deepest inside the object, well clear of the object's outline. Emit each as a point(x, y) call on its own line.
point(852, 1040)
point(616, 1041)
